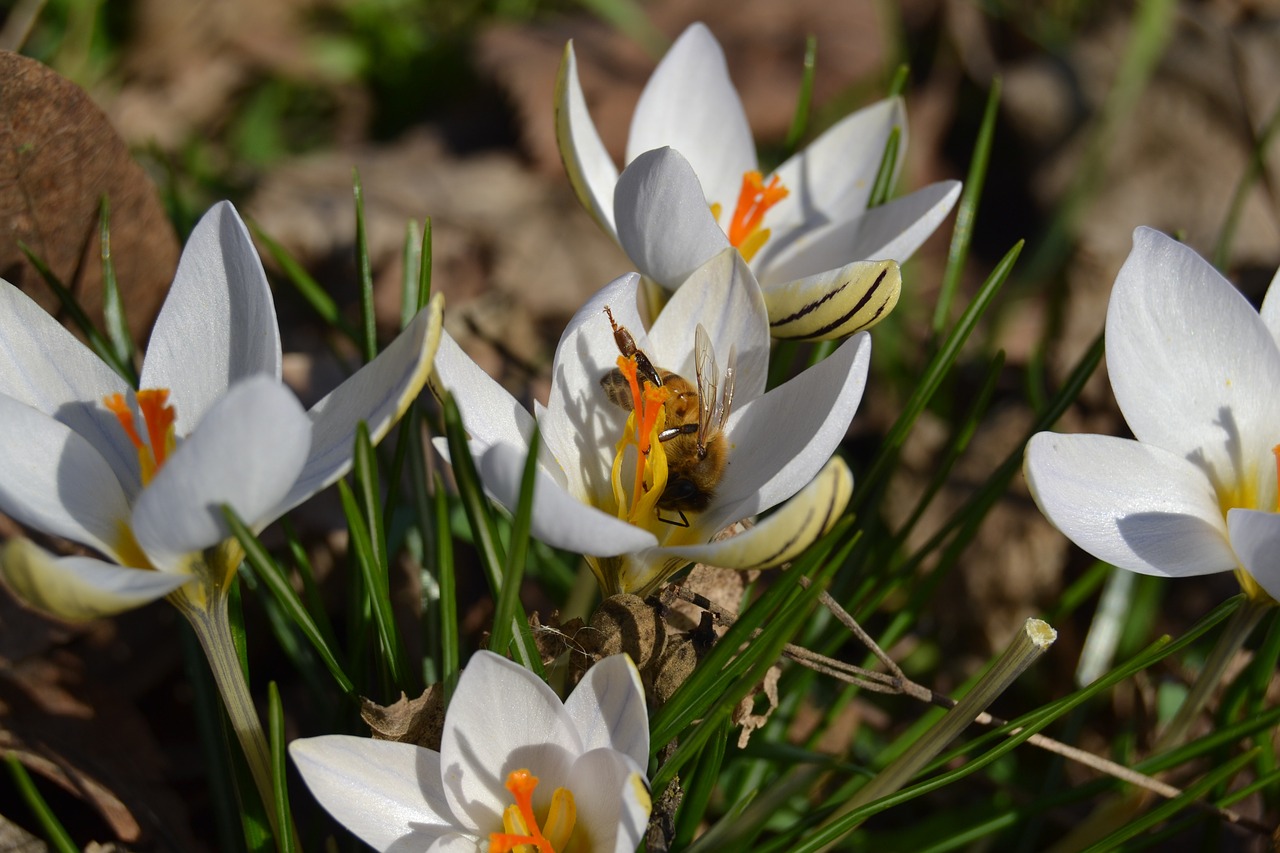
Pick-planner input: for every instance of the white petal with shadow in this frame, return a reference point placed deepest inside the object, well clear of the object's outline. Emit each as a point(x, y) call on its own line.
point(1192, 365)
point(79, 588)
point(830, 180)
point(664, 223)
point(591, 170)
point(52, 479)
point(246, 452)
point(722, 296)
point(1255, 538)
point(388, 794)
point(892, 231)
point(43, 365)
point(502, 718)
point(218, 324)
point(559, 519)
point(378, 394)
point(612, 800)
point(779, 442)
point(608, 708)
point(690, 104)
point(1136, 506)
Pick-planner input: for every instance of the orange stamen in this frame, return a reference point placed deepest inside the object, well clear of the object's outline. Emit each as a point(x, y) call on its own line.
point(159, 418)
point(754, 200)
point(521, 784)
point(117, 406)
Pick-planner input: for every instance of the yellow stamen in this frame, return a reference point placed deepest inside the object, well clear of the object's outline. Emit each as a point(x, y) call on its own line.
point(648, 416)
point(754, 200)
point(521, 825)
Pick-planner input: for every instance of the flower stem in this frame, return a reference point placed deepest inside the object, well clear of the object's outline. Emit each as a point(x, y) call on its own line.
point(213, 628)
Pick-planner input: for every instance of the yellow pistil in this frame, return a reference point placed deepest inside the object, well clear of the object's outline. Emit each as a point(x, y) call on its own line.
point(648, 416)
point(754, 200)
point(158, 418)
point(522, 831)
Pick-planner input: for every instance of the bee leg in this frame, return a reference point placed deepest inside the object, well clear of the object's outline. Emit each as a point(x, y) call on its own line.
point(675, 432)
point(682, 522)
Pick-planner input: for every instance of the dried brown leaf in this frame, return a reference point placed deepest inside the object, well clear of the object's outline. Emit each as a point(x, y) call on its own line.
point(418, 721)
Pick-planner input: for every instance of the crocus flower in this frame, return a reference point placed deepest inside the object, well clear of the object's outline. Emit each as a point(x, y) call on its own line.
point(515, 766)
point(1195, 370)
point(139, 476)
point(600, 479)
point(692, 186)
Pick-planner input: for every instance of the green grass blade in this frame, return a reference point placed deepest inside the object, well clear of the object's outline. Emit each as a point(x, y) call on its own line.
point(449, 646)
point(307, 287)
point(113, 315)
point(368, 339)
point(507, 612)
point(887, 173)
point(967, 210)
point(268, 571)
point(632, 20)
point(287, 842)
point(54, 833)
point(411, 260)
point(804, 98)
point(698, 789)
point(474, 502)
point(1257, 165)
point(71, 305)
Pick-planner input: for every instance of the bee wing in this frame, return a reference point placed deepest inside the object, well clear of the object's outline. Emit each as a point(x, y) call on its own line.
point(704, 368)
point(726, 399)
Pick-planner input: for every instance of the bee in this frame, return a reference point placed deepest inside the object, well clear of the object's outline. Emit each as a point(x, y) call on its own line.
point(693, 437)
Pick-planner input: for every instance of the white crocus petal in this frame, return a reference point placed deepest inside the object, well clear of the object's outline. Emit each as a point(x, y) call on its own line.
point(664, 223)
point(1255, 538)
point(591, 171)
point(559, 519)
point(611, 799)
point(835, 304)
point(1133, 505)
point(608, 709)
point(489, 412)
point(43, 365)
point(1193, 367)
point(377, 395)
point(892, 231)
point(80, 588)
point(512, 720)
point(785, 534)
point(246, 452)
point(52, 479)
point(218, 324)
point(831, 179)
point(580, 427)
point(1270, 311)
point(385, 792)
point(785, 437)
point(721, 296)
point(691, 105)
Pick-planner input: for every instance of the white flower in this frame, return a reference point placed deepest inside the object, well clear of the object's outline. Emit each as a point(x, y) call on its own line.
point(776, 443)
point(504, 727)
point(692, 187)
point(1195, 370)
point(140, 477)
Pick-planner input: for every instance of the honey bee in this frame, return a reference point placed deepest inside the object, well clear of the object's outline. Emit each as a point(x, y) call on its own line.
point(693, 437)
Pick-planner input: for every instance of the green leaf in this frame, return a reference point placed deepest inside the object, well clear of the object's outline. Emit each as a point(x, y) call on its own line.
point(369, 333)
point(54, 832)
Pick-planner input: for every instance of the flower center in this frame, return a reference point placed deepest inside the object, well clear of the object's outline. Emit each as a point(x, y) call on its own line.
point(648, 415)
point(157, 419)
point(522, 833)
point(754, 200)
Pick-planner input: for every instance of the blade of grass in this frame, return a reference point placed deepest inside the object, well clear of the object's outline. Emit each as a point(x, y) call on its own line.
point(308, 288)
point(57, 836)
point(368, 339)
point(967, 210)
point(449, 654)
point(113, 315)
point(71, 305)
point(804, 98)
point(269, 572)
point(287, 842)
point(506, 628)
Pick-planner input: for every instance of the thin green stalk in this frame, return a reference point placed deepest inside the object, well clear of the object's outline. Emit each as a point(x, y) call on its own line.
point(213, 628)
point(54, 833)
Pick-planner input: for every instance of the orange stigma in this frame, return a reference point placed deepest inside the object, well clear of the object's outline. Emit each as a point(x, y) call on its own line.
point(522, 826)
point(754, 200)
point(158, 417)
point(646, 421)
